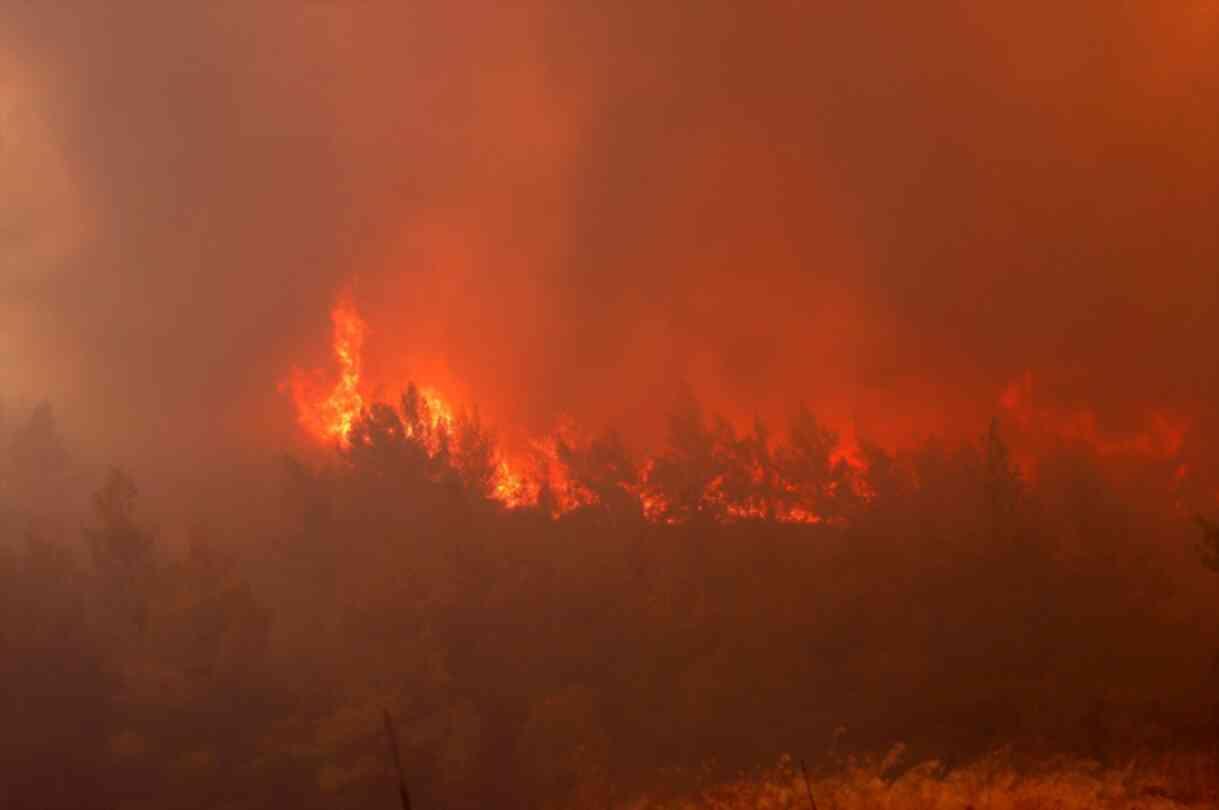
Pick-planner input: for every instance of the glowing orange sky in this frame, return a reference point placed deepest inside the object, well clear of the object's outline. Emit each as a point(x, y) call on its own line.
point(574, 210)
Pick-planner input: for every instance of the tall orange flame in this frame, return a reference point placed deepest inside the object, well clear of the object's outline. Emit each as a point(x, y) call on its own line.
point(345, 403)
point(329, 417)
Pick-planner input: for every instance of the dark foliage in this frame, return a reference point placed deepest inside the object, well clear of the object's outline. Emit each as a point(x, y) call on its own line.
point(540, 661)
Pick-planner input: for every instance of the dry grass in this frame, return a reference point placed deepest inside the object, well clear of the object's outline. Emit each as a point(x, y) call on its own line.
point(992, 783)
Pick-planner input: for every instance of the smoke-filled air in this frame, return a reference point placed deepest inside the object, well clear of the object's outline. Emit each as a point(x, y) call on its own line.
point(631, 406)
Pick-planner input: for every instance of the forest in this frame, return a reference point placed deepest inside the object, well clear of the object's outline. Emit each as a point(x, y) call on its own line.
point(737, 604)
point(814, 405)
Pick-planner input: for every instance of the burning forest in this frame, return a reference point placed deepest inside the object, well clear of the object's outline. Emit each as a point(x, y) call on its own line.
point(576, 405)
point(809, 479)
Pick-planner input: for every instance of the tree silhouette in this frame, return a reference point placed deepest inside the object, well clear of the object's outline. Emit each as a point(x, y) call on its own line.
point(123, 551)
point(474, 455)
point(1208, 546)
point(1002, 483)
point(605, 468)
point(118, 542)
point(38, 460)
point(750, 477)
point(815, 482)
point(685, 472)
point(36, 447)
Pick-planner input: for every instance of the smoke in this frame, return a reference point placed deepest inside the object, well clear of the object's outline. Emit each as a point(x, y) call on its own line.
point(909, 216)
point(572, 208)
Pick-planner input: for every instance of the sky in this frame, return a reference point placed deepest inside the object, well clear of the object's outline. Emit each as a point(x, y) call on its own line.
point(890, 211)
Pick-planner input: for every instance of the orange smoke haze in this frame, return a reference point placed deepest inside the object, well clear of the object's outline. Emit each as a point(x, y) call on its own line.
point(1162, 438)
point(577, 210)
point(617, 392)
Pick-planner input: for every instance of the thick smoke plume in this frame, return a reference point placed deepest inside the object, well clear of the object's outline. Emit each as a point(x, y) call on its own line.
point(573, 209)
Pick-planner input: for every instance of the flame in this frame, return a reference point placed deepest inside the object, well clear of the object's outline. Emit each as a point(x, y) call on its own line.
point(753, 483)
point(345, 404)
point(437, 421)
point(332, 417)
point(510, 488)
point(329, 409)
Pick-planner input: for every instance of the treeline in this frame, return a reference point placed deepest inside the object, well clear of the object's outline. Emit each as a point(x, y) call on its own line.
point(532, 660)
point(708, 472)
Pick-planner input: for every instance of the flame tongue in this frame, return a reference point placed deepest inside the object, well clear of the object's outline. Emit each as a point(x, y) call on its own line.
point(346, 404)
point(329, 417)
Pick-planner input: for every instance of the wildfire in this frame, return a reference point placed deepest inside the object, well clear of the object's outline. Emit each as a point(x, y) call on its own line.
point(819, 478)
point(329, 410)
point(743, 478)
point(331, 416)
